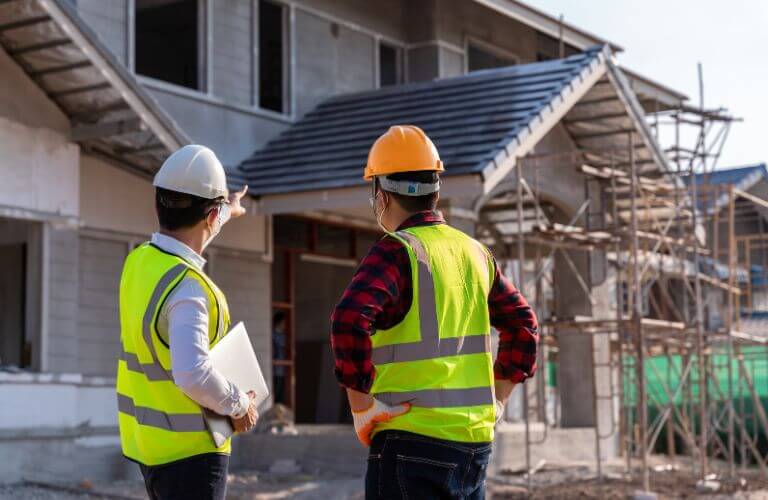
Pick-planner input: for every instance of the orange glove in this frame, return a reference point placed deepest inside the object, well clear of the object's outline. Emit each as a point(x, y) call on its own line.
point(366, 420)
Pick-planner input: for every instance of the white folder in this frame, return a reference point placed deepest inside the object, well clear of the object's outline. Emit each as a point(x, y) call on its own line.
point(234, 358)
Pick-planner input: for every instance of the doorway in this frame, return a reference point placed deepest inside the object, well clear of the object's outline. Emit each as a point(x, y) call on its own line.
point(314, 262)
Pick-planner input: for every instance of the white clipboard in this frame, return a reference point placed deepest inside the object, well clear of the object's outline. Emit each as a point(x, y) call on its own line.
point(233, 357)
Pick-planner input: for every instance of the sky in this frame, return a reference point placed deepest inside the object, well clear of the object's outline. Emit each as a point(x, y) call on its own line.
point(664, 40)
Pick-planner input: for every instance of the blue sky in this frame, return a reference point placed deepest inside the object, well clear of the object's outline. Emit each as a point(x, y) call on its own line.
point(664, 40)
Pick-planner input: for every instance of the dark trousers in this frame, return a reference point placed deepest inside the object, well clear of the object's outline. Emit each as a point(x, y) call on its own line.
point(409, 466)
point(203, 477)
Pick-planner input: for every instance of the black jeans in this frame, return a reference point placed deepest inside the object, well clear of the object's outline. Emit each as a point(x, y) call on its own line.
point(203, 477)
point(409, 466)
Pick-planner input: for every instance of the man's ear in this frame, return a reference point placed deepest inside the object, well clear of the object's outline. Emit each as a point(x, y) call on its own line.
point(211, 217)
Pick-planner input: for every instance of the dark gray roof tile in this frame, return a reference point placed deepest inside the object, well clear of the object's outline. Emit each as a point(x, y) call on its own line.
point(470, 118)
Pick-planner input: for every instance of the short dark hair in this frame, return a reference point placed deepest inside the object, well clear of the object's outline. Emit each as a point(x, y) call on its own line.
point(416, 203)
point(179, 210)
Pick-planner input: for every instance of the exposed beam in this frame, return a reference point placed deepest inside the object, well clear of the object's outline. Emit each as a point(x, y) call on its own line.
point(605, 133)
point(101, 130)
point(96, 113)
point(597, 100)
point(79, 90)
point(24, 23)
point(59, 69)
point(604, 116)
point(35, 47)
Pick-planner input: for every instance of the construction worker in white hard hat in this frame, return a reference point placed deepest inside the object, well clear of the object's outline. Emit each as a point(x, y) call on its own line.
point(171, 314)
point(411, 336)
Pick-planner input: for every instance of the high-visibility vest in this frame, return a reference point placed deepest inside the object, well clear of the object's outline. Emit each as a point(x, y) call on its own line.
point(439, 358)
point(159, 424)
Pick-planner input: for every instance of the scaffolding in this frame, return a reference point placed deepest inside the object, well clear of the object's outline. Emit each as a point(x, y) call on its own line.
point(688, 259)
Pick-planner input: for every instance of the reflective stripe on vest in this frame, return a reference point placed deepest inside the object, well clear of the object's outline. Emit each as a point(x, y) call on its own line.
point(176, 422)
point(431, 346)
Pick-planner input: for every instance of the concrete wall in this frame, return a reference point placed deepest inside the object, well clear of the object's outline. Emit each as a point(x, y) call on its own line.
point(244, 279)
point(109, 19)
point(38, 165)
point(117, 201)
point(98, 316)
point(330, 59)
point(62, 351)
point(233, 51)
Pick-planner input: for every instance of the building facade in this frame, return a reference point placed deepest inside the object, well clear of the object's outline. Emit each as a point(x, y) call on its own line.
point(289, 94)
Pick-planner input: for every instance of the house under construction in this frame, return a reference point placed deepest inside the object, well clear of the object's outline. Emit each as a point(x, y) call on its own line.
point(645, 264)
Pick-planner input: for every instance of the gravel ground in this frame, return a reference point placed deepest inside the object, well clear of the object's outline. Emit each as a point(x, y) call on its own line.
point(243, 485)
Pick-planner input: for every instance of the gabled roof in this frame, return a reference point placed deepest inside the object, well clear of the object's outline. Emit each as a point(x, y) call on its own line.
point(481, 123)
point(471, 118)
point(741, 177)
point(111, 114)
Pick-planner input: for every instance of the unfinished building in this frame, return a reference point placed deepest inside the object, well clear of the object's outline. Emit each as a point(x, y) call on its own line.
point(550, 157)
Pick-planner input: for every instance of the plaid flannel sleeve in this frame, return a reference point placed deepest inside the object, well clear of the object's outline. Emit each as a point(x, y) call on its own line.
point(378, 286)
point(518, 331)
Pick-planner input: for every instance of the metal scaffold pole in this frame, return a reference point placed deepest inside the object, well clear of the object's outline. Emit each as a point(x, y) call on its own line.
point(637, 326)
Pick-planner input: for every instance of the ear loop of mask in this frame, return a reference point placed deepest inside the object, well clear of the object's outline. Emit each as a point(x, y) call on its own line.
point(378, 215)
point(222, 217)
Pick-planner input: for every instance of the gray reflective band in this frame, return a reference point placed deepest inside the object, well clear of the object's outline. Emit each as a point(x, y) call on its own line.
point(418, 351)
point(176, 422)
point(149, 313)
point(153, 371)
point(408, 188)
point(440, 398)
point(431, 346)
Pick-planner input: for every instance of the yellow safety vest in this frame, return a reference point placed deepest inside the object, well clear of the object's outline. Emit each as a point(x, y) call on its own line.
point(159, 424)
point(438, 358)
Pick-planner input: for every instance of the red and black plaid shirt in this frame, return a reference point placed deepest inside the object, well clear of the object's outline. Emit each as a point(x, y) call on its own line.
point(380, 295)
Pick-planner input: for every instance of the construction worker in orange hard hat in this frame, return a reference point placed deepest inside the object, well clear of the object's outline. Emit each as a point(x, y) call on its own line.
point(411, 335)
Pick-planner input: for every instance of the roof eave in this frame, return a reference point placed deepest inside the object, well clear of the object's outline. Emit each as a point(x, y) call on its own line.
point(548, 24)
point(522, 143)
point(145, 106)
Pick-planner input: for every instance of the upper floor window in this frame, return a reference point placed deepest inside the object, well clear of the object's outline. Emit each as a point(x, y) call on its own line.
point(169, 41)
point(486, 57)
point(272, 54)
point(390, 65)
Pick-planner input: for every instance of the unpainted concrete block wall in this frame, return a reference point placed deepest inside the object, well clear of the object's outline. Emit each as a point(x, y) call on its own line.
point(330, 59)
point(233, 27)
point(245, 280)
point(100, 265)
point(63, 342)
point(109, 19)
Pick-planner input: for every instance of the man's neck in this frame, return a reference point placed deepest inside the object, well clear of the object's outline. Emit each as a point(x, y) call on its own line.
point(193, 239)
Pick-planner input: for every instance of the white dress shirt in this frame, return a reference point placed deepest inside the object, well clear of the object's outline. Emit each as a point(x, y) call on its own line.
point(184, 318)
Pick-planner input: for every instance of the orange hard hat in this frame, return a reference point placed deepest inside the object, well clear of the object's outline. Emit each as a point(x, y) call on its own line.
point(403, 148)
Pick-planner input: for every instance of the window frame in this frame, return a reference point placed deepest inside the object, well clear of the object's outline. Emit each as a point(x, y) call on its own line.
point(204, 50)
point(288, 16)
point(488, 47)
point(400, 54)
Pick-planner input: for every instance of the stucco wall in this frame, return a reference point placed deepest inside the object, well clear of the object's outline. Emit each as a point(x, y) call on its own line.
point(115, 200)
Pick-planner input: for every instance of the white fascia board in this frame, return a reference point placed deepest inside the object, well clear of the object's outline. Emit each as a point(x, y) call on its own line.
point(463, 186)
point(547, 24)
point(498, 167)
point(171, 137)
point(635, 111)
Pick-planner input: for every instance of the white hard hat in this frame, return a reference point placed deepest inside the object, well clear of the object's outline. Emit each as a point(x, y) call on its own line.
point(195, 170)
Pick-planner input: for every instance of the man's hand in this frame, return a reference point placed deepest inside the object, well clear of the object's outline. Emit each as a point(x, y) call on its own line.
point(247, 421)
point(366, 420)
point(236, 208)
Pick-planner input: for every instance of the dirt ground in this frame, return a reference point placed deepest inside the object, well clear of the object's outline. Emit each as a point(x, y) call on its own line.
point(668, 481)
point(581, 483)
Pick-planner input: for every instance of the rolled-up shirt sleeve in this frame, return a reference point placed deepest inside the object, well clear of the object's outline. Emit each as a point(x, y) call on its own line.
point(518, 331)
point(186, 312)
